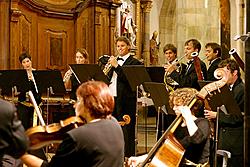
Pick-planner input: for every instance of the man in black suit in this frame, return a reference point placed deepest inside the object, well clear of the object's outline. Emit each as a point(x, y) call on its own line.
point(125, 98)
point(190, 77)
point(213, 55)
point(231, 124)
point(173, 64)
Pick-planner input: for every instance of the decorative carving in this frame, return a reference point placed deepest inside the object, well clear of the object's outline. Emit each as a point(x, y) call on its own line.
point(146, 5)
point(25, 35)
point(57, 2)
point(15, 14)
point(98, 18)
point(59, 8)
point(56, 45)
point(56, 49)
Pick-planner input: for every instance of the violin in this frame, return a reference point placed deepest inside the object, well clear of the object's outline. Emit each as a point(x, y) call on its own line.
point(41, 136)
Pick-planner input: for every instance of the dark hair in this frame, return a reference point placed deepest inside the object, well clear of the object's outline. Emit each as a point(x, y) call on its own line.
point(231, 65)
point(195, 42)
point(124, 39)
point(216, 48)
point(84, 53)
point(170, 47)
point(97, 98)
point(24, 56)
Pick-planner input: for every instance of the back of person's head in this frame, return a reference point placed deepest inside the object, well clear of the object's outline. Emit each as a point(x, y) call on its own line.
point(216, 48)
point(183, 96)
point(196, 44)
point(231, 65)
point(23, 56)
point(170, 47)
point(123, 39)
point(97, 98)
point(84, 54)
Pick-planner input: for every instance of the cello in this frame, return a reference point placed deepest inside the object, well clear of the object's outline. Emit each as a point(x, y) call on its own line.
point(168, 151)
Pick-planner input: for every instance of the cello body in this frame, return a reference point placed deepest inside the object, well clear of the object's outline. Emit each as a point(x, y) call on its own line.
point(169, 154)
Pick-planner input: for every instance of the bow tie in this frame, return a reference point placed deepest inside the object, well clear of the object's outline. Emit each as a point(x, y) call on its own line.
point(119, 58)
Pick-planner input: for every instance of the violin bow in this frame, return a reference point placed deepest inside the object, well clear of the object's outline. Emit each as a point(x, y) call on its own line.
point(36, 108)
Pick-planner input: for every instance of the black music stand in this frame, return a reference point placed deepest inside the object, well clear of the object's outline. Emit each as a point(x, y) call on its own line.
point(224, 98)
point(156, 74)
point(49, 80)
point(86, 72)
point(160, 96)
point(13, 80)
point(136, 75)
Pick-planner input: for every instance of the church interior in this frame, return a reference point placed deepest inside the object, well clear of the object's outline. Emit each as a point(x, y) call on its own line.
point(51, 31)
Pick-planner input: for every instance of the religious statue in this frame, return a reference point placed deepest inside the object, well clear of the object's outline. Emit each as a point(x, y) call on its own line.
point(154, 49)
point(128, 27)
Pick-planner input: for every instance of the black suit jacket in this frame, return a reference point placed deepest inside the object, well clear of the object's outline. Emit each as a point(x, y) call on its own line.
point(125, 104)
point(212, 68)
point(126, 98)
point(13, 140)
point(189, 78)
point(231, 125)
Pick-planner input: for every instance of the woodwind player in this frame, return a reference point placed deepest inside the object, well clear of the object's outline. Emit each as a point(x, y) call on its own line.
point(25, 108)
point(70, 82)
point(125, 98)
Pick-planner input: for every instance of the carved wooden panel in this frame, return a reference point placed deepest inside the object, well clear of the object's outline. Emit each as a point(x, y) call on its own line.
point(51, 31)
point(55, 52)
point(56, 43)
point(21, 37)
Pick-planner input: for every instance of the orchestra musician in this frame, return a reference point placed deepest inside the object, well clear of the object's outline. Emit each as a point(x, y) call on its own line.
point(231, 125)
point(25, 108)
point(13, 141)
point(193, 133)
point(213, 55)
point(173, 64)
point(97, 143)
point(190, 77)
point(125, 98)
point(81, 57)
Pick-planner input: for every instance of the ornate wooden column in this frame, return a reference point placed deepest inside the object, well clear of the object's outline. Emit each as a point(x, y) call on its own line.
point(138, 33)
point(4, 33)
point(225, 27)
point(247, 88)
point(146, 8)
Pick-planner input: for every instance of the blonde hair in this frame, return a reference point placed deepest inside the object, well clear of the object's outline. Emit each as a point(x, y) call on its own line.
point(184, 96)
